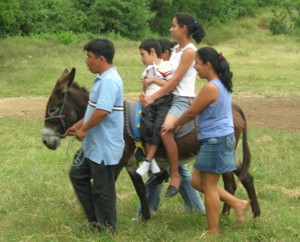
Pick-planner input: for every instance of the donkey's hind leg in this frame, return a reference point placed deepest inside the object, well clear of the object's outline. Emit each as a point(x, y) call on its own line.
point(140, 189)
point(230, 186)
point(248, 184)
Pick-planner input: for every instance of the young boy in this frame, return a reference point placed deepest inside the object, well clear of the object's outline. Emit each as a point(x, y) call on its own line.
point(102, 133)
point(154, 77)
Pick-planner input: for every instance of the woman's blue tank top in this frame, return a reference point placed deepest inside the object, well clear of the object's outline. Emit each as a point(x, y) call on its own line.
point(216, 119)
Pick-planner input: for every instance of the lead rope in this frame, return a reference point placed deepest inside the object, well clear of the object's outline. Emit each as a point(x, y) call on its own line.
point(77, 155)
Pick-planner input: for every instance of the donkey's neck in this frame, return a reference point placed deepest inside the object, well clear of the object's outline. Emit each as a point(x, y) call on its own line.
point(79, 99)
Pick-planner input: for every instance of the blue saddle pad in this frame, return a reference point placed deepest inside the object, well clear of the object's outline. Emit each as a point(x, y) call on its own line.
point(131, 121)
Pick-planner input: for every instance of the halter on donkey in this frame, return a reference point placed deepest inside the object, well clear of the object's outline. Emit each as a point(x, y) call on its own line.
point(67, 105)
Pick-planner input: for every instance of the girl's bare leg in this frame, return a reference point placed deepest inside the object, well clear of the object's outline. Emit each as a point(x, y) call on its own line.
point(172, 154)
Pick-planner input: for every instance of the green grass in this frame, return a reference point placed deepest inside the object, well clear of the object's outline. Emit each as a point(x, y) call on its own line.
point(37, 202)
point(262, 64)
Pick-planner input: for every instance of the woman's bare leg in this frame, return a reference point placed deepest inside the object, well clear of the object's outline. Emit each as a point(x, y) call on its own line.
point(207, 183)
point(212, 200)
point(240, 206)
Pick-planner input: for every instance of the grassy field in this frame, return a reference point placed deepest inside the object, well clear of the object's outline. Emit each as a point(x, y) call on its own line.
point(262, 64)
point(37, 202)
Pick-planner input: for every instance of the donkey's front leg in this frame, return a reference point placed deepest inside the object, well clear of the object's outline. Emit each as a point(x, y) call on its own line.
point(140, 189)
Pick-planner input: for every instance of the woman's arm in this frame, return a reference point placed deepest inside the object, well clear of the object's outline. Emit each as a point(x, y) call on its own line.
point(187, 59)
point(208, 94)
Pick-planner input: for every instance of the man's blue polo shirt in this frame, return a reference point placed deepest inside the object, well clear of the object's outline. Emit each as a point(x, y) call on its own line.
point(104, 142)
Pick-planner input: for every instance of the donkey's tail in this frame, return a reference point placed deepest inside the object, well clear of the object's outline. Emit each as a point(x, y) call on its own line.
point(246, 150)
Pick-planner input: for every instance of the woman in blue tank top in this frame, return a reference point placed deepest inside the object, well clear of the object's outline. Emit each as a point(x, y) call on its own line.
point(212, 109)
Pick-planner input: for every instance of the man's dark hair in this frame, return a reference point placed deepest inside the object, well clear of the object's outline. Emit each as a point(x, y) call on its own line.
point(101, 47)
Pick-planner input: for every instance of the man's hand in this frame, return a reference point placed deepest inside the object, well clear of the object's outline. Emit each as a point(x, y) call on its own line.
point(71, 131)
point(80, 134)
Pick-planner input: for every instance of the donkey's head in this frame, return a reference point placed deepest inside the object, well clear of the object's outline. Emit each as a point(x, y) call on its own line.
point(65, 106)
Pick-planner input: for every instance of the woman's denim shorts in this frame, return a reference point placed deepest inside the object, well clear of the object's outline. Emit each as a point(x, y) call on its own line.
point(179, 105)
point(216, 155)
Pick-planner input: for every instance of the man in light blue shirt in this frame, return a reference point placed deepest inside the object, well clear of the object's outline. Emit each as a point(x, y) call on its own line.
point(101, 131)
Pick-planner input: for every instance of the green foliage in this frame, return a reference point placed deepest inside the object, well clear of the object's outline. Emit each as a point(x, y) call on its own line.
point(209, 13)
point(286, 19)
point(128, 18)
point(278, 24)
point(293, 8)
point(134, 19)
point(9, 17)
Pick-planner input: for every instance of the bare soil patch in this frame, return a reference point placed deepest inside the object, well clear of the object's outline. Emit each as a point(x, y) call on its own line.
point(278, 113)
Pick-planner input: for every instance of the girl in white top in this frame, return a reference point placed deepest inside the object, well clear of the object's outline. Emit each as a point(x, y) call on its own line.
point(182, 85)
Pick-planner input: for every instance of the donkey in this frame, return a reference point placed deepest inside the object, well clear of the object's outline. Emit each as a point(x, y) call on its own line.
point(67, 105)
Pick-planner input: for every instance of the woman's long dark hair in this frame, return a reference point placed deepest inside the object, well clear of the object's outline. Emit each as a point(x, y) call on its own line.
point(219, 64)
point(194, 27)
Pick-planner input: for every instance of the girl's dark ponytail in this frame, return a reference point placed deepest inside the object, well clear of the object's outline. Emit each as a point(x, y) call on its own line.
point(219, 64)
point(198, 32)
point(194, 28)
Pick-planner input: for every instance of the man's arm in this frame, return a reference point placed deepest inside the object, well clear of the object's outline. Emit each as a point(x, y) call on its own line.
point(97, 117)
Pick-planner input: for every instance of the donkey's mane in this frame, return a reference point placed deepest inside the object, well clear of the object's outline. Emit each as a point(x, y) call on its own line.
point(76, 86)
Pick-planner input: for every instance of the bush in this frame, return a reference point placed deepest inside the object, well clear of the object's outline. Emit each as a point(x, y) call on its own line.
point(127, 18)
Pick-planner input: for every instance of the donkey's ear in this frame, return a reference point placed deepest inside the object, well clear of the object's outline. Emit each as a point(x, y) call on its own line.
point(71, 76)
point(63, 82)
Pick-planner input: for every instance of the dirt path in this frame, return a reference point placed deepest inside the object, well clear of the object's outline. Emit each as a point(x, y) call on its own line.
point(278, 113)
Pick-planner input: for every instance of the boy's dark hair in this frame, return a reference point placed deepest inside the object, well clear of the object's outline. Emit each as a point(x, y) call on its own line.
point(194, 27)
point(149, 44)
point(166, 44)
point(219, 64)
point(101, 47)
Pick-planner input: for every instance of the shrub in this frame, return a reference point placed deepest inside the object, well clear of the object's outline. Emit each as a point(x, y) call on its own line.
point(278, 24)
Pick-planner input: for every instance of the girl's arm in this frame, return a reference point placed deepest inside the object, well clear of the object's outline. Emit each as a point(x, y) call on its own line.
point(159, 82)
point(187, 59)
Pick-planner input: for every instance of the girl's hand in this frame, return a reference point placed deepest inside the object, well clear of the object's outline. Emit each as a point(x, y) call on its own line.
point(168, 128)
point(141, 96)
point(147, 100)
point(147, 81)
